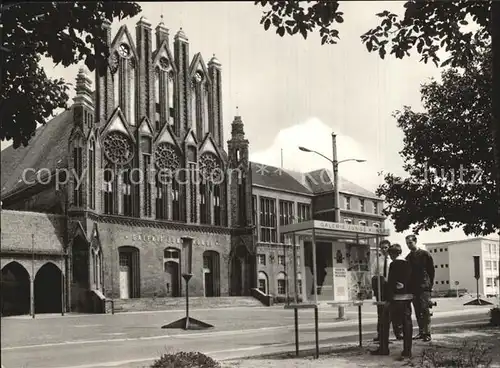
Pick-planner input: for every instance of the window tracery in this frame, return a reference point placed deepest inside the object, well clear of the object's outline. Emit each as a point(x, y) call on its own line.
point(166, 157)
point(118, 148)
point(209, 167)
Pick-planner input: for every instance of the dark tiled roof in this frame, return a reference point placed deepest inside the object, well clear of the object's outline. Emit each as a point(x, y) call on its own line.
point(313, 182)
point(276, 178)
point(48, 149)
point(320, 181)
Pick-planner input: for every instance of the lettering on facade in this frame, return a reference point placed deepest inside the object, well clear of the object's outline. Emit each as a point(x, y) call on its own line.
point(340, 272)
point(351, 228)
point(171, 240)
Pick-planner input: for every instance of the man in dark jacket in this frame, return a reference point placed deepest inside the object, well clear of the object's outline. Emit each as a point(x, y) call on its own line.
point(422, 266)
point(398, 304)
point(396, 324)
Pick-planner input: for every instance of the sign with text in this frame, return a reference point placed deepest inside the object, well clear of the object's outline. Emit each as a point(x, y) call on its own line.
point(169, 240)
point(351, 228)
point(340, 284)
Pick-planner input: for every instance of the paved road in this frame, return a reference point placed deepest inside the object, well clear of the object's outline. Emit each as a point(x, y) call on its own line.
point(134, 340)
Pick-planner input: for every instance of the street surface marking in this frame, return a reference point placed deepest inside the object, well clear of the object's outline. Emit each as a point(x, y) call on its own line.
point(214, 333)
point(249, 348)
point(82, 326)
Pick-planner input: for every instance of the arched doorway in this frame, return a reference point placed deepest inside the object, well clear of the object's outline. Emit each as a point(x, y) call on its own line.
point(171, 259)
point(15, 290)
point(129, 272)
point(48, 289)
point(80, 262)
point(211, 271)
point(263, 282)
point(236, 276)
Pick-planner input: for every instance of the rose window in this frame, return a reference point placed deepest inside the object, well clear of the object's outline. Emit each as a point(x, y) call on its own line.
point(166, 157)
point(124, 50)
point(164, 64)
point(209, 167)
point(198, 77)
point(118, 148)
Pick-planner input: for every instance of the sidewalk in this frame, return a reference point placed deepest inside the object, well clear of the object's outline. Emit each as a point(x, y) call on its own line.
point(454, 345)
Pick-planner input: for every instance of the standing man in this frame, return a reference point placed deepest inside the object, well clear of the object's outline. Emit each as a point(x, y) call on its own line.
point(423, 271)
point(398, 304)
point(396, 324)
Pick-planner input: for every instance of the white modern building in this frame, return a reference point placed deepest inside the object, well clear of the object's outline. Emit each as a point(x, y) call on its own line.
point(454, 262)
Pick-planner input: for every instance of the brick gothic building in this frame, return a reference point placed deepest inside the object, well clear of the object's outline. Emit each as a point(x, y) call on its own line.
point(86, 214)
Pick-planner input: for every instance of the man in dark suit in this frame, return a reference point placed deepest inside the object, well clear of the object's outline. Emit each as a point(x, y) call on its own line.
point(398, 302)
point(396, 324)
point(422, 265)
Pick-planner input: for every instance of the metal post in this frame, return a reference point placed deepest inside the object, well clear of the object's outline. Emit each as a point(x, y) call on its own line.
point(360, 327)
point(315, 271)
point(378, 268)
point(187, 303)
point(62, 285)
point(33, 275)
point(296, 318)
point(286, 272)
point(336, 188)
point(294, 255)
point(316, 330)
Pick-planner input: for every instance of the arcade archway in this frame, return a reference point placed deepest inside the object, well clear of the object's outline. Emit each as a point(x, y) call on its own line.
point(211, 270)
point(48, 289)
point(15, 290)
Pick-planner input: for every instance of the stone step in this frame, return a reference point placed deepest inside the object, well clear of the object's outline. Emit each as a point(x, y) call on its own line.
point(156, 304)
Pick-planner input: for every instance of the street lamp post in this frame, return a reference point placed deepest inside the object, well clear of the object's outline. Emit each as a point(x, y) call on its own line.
point(336, 190)
point(188, 323)
point(335, 180)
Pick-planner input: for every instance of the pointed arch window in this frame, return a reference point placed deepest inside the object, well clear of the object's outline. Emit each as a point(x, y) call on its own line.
point(146, 169)
point(91, 170)
point(197, 98)
point(170, 105)
point(118, 152)
point(211, 185)
point(78, 166)
point(109, 190)
point(123, 69)
point(127, 209)
point(157, 100)
point(167, 160)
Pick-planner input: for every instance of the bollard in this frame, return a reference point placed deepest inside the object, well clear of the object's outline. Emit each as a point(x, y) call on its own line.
point(341, 312)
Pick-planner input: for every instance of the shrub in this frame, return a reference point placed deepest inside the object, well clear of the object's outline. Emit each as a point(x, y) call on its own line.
point(495, 316)
point(466, 356)
point(185, 360)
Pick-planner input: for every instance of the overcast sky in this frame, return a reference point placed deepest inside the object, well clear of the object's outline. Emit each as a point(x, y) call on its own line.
point(290, 91)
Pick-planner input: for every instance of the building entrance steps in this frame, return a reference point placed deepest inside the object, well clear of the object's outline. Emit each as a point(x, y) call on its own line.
point(178, 303)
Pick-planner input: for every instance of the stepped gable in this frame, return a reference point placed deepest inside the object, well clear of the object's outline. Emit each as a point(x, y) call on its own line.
point(276, 178)
point(320, 182)
point(48, 149)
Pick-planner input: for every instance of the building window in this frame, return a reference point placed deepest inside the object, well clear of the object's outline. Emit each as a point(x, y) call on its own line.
point(77, 189)
point(348, 221)
point(286, 216)
point(108, 191)
point(437, 282)
point(347, 203)
point(362, 205)
point(375, 207)
point(447, 282)
point(146, 149)
point(435, 266)
point(445, 249)
point(298, 261)
point(261, 259)
point(487, 265)
point(254, 214)
point(92, 174)
point(495, 266)
point(442, 282)
point(281, 283)
point(376, 224)
point(263, 282)
point(303, 212)
point(127, 192)
point(267, 220)
point(281, 260)
point(442, 266)
point(362, 223)
point(446, 265)
point(489, 281)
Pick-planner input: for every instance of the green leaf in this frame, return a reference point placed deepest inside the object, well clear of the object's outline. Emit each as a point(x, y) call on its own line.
point(280, 31)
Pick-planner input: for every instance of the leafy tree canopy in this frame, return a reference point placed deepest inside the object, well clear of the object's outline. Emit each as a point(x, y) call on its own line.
point(449, 157)
point(66, 32)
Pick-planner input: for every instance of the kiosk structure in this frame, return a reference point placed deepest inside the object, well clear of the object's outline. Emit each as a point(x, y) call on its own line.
point(337, 263)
